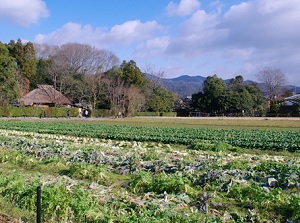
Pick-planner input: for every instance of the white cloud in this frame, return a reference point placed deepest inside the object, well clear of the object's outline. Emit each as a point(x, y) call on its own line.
point(160, 43)
point(242, 40)
point(132, 31)
point(70, 32)
point(263, 22)
point(152, 47)
point(268, 27)
point(184, 8)
point(255, 33)
point(196, 35)
point(123, 34)
point(23, 12)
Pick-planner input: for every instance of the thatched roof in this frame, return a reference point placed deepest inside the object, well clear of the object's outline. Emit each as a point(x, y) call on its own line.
point(44, 95)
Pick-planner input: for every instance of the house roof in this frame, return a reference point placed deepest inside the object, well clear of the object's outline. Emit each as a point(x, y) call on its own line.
point(292, 100)
point(294, 97)
point(44, 94)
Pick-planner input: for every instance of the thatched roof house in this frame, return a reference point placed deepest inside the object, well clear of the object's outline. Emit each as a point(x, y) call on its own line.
point(44, 95)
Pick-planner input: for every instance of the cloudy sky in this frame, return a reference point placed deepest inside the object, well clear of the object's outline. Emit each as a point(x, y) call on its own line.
point(194, 37)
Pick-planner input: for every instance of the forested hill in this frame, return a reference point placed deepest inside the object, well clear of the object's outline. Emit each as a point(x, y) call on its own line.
point(186, 85)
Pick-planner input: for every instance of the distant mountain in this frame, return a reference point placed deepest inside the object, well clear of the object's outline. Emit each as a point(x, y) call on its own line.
point(186, 85)
point(183, 86)
point(294, 89)
point(188, 78)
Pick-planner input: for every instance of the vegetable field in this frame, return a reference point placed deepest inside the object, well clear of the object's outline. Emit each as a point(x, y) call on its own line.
point(111, 173)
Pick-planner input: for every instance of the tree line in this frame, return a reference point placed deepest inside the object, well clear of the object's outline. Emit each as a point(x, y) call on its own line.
point(240, 97)
point(83, 73)
point(97, 78)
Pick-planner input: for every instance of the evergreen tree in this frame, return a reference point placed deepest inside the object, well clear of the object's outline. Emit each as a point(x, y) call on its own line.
point(132, 74)
point(160, 100)
point(8, 84)
point(25, 57)
point(236, 97)
point(41, 75)
point(213, 88)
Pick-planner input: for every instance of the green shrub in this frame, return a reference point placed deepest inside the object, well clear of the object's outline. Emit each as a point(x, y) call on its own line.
point(5, 111)
point(236, 165)
point(87, 171)
point(143, 182)
point(103, 113)
point(41, 112)
point(222, 147)
point(292, 207)
point(206, 146)
point(164, 114)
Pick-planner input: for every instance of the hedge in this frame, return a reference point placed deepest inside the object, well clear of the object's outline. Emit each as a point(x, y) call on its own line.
point(103, 113)
point(52, 112)
point(164, 114)
point(57, 112)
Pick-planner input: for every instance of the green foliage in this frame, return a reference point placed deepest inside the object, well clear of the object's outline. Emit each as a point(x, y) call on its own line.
point(14, 189)
point(163, 114)
point(119, 88)
point(103, 113)
point(213, 88)
point(272, 167)
point(41, 112)
point(25, 57)
point(131, 73)
point(275, 106)
point(8, 85)
point(41, 75)
point(87, 171)
point(221, 139)
point(58, 203)
point(281, 172)
point(236, 165)
point(143, 182)
point(232, 98)
point(216, 147)
point(292, 207)
point(256, 197)
point(160, 100)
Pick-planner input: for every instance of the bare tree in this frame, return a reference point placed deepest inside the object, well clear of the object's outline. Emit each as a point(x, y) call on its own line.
point(135, 100)
point(116, 93)
point(75, 66)
point(155, 75)
point(76, 59)
point(95, 83)
point(274, 81)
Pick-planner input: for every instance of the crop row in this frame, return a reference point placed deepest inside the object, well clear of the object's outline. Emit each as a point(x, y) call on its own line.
point(252, 139)
point(128, 181)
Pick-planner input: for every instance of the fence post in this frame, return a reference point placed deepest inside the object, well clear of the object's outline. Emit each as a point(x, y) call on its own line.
point(38, 204)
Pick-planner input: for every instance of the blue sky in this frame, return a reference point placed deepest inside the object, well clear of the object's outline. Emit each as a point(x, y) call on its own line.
point(194, 37)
